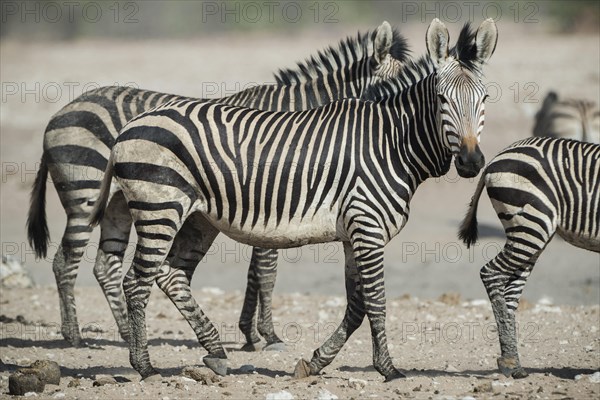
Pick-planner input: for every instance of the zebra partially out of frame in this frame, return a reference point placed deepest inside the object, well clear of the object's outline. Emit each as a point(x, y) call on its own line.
point(568, 119)
point(538, 187)
point(342, 172)
point(77, 143)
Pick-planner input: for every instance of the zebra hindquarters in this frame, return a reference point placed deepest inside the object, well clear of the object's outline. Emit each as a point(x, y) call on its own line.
point(529, 223)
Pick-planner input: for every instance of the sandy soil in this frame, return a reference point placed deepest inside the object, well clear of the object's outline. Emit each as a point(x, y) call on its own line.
point(425, 260)
point(447, 347)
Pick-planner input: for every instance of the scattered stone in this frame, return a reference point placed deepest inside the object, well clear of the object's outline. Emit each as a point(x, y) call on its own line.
point(59, 395)
point(451, 299)
point(49, 371)
point(451, 368)
point(485, 387)
point(418, 388)
point(325, 394)
point(227, 394)
point(540, 389)
point(247, 369)
point(14, 275)
point(74, 383)
point(357, 384)
point(30, 394)
point(102, 380)
point(282, 395)
point(25, 381)
point(468, 398)
point(595, 377)
point(206, 377)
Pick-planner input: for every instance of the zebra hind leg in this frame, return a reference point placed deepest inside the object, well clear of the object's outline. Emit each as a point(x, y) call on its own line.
point(247, 321)
point(190, 245)
point(266, 275)
point(504, 278)
point(114, 238)
point(65, 267)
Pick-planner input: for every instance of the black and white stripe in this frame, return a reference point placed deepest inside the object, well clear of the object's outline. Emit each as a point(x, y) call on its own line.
point(568, 119)
point(342, 172)
point(539, 187)
point(79, 137)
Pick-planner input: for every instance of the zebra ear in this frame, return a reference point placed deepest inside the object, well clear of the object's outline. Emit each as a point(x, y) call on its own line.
point(437, 39)
point(486, 39)
point(383, 42)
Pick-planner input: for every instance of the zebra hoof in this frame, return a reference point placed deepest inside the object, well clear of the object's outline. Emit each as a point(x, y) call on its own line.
point(153, 378)
point(277, 346)
point(302, 369)
point(509, 365)
point(218, 365)
point(394, 375)
point(520, 373)
point(251, 347)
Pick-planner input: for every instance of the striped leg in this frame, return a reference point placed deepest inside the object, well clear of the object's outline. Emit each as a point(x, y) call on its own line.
point(114, 238)
point(504, 278)
point(65, 266)
point(261, 281)
point(190, 245)
point(155, 237)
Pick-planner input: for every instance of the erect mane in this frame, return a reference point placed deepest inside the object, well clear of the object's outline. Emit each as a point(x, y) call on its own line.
point(411, 72)
point(333, 58)
point(465, 50)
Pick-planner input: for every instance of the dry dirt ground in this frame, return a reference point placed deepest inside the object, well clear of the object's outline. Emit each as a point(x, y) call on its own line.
point(447, 348)
point(558, 343)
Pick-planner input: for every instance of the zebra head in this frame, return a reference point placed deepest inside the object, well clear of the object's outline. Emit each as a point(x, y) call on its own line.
point(460, 92)
point(389, 52)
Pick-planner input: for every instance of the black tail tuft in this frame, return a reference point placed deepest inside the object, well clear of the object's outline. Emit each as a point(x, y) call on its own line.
point(468, 231)
point(37, 227)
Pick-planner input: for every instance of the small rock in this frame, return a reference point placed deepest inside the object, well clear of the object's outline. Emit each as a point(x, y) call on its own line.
point(206, 377)
point(451, 368)
point(74, 383)
point(30, 394)
point(247, 369)
point(595, 377)
point(325, 394)
point(485, 387)
point(282, 395)
point(49, 371)
point(102, 380)
point(25, 381)
point(357, 384)
point(418, 388)
point(59, 395)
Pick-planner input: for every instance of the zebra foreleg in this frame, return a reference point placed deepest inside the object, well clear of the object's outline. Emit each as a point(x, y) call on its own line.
point(114, 238)
point(266, 276)
point(353, 318)
point(65, 267)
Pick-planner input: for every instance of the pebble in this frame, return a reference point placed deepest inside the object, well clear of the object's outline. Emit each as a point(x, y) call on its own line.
point(595, 377)
point(25, 381)
point(102, 380)
point(59, 395)
point(325, 394)
point(247, 369)
point(357, 383)
point(282, 395)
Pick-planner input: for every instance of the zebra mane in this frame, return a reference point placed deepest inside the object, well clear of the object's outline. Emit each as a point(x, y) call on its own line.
point(411, 72)
point(333, 58)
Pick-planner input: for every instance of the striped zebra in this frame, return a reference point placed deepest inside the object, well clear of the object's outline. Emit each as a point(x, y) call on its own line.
point(79, 137)
point(568, 119)
point(538, 187)
point(342, 172)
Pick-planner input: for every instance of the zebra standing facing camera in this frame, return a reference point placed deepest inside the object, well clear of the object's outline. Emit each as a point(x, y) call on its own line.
point(342, 172)
point(539, 187)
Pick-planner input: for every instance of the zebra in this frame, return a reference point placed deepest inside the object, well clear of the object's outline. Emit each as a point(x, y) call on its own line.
point(343, 172)
point(568, 118)
point(79, 137)
point(538, 187)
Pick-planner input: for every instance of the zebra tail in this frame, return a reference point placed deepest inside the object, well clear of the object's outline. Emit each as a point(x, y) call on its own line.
point(37, 227)
point(102, 201)
point(468, 227)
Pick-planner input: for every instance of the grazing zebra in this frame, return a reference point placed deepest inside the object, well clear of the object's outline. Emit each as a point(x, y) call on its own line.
point(568, 119)
point(79, 137)
point(538, 187)
point(343, 172)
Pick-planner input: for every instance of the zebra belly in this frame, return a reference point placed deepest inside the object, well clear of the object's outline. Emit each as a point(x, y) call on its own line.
point(320, 228)
point(586, 242)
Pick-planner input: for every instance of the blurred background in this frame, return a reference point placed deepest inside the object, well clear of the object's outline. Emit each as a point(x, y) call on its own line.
point(53, 51)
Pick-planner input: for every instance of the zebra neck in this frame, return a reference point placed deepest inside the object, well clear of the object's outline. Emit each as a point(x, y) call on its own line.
point(415, 116)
